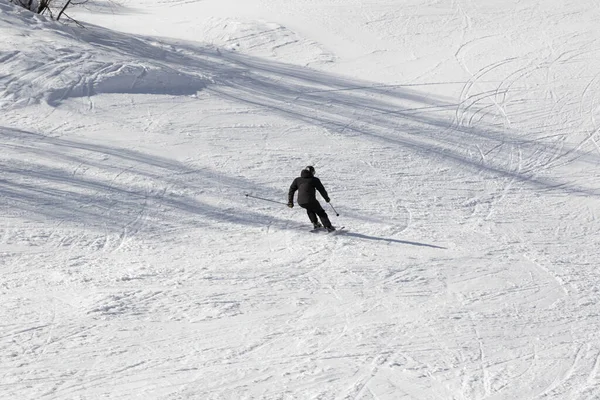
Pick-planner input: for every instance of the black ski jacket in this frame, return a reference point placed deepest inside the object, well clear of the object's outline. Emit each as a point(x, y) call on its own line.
point(306, 185)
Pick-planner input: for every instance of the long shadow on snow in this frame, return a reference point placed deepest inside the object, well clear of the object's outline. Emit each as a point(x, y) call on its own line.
point(351, 109)
point(393, 115)
point(102, 199)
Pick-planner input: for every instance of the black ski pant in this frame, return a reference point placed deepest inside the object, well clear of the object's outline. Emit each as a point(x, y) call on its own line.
point(313, 209)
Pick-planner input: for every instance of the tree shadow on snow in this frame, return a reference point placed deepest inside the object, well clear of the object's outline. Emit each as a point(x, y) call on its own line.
point(396, 115)
point(404, 118)
point(112, 188)
point(393, 115)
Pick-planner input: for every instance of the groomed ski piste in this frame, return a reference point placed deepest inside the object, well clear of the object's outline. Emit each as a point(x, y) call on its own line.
point(459, 142)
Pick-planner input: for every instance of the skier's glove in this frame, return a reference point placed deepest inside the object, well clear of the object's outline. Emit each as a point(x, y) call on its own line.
point(290, 205)
point(327, 200)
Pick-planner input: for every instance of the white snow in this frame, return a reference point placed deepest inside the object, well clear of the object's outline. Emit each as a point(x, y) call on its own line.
point(459, 142)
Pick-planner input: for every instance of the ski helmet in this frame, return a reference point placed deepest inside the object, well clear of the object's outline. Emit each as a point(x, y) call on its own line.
point(310, 169)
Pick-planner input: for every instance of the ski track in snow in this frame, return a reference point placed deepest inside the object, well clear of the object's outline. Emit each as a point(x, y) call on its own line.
point(458, 142)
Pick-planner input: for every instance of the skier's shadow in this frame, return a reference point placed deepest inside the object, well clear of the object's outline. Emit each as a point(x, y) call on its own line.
point(361, 236)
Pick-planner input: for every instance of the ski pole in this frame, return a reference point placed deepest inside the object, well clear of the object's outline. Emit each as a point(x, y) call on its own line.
point(260, 198)
point(336, 213)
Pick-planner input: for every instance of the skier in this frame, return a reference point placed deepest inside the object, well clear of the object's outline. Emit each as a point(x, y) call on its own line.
point(306, 184)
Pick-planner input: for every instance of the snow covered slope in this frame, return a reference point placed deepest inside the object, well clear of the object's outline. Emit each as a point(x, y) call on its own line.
point(458, 142)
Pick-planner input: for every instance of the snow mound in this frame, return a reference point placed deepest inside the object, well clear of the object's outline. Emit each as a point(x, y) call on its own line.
point(128, 78)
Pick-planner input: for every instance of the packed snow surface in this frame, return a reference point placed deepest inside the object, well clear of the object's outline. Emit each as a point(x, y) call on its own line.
point(459, 142)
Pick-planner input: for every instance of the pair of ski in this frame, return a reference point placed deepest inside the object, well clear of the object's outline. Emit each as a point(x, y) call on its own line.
point(324, 230)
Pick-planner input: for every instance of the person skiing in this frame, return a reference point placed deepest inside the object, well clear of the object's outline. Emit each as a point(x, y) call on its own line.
point(306, 185)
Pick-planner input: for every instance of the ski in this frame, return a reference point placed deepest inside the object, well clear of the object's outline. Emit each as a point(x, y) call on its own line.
point(324, 230)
